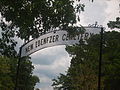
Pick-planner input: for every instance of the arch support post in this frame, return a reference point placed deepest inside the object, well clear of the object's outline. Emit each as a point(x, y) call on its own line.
point(17, 69)
point(100, 59)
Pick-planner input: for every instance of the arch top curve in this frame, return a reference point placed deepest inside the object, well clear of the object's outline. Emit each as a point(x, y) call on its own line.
point(60, 37)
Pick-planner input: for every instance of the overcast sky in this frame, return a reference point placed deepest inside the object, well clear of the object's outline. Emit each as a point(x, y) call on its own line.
point(52, 61)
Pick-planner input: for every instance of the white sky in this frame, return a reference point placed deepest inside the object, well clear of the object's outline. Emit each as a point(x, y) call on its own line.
point(52, 61)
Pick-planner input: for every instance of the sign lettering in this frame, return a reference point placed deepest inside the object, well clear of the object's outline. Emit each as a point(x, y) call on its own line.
point(57, 38)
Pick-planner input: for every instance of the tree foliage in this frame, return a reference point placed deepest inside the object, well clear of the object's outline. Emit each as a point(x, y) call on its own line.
point(6, 82)
point(111, 60)
point(83, 71)
point(8, 74)
point(35, 17)
point(9, 60)
point(114, 24)
point(7, 42)
point(26, 81)
point(81, 75)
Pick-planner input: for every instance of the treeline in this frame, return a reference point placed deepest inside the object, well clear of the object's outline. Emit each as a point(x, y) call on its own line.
point(26, 81)
point(83, 71)
point(9, 62)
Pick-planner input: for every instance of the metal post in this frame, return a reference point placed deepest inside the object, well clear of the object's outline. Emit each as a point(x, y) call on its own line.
point(18, 67)
point(100, 60)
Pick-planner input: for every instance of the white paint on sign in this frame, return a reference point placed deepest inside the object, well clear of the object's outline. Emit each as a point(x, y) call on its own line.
point(56, 38)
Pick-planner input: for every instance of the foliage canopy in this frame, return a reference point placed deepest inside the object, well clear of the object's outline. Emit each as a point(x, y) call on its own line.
point(36, 17)
point(83, 71)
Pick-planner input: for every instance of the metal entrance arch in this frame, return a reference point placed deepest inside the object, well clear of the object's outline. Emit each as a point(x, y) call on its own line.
point(59, 37)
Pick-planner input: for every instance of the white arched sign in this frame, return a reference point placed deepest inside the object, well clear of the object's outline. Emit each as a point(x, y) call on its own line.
point(60, 37)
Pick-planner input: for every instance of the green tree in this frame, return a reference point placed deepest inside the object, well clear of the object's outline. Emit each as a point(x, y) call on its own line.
point(81, 75)
point(6, 82)
point(36, 17)
point(8, 74)
point(7, 42)
point(83, 71)
point(114, 24)
point(7, 49)
point(111, 60)
point(26, 81)
point(112, 74)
